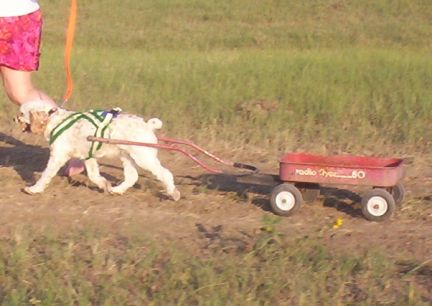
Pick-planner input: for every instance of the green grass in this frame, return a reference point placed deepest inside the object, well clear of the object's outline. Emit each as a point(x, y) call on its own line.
point(208, 25)
point(337, 73)
point(344, 97)
point(94, 266)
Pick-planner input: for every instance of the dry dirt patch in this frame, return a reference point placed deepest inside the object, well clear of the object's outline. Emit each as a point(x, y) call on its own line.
point(222, 204)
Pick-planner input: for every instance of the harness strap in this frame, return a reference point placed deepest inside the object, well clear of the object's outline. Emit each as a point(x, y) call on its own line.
point(100, 131)
point(65, 125)
point(99, 119)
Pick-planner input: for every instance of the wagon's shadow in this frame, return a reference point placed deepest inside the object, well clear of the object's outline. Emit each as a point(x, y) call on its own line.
point(342, 200)
point(262, 185)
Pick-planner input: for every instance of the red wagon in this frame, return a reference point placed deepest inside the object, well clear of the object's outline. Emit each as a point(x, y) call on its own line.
point(301, 175)
point(306, 172)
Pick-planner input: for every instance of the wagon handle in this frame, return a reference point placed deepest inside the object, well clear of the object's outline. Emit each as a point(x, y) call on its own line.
point(205, 152)
point(174, 148)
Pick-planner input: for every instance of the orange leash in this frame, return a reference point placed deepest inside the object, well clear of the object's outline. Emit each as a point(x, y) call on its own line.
point(68, 49)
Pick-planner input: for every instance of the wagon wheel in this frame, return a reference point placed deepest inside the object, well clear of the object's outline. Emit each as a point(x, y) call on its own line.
point(398, 193)
point(285, 199)
point(377, 204)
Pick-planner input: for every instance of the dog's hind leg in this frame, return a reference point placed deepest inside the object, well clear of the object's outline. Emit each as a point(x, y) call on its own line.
point(56, 161)
point(93, 173)
point(153, 165)
point(130, 175)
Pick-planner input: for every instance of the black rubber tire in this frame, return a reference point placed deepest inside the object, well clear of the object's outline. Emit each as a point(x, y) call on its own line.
point(283, 193)
point(398, 193)
point(383, 199)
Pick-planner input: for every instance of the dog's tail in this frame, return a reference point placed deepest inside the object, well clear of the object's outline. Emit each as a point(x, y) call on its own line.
point(154, 123)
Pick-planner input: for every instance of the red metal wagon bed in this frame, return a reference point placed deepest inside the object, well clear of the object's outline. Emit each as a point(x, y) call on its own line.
point(307, 172)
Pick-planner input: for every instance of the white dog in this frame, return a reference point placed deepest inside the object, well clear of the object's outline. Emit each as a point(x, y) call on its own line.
point(67, 134)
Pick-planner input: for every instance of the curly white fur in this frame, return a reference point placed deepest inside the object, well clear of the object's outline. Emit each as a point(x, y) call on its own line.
point(72, 143)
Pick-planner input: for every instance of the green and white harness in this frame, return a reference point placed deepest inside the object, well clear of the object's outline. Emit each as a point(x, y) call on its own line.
point(98, 118)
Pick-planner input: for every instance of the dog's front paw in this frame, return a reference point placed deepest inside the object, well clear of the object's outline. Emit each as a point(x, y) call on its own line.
point(32, 190)
point(176, 195)
point(106, 187)
point(116, 190)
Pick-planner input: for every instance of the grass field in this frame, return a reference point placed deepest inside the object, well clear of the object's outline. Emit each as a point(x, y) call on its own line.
point(97, 267)
point(347, 75)
point(341, 72)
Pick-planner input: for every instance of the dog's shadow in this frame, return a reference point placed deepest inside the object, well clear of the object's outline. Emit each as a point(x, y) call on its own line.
point(25, 159)
point(262, 185)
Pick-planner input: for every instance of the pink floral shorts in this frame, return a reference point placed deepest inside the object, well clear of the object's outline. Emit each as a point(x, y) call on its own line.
point(20, 41)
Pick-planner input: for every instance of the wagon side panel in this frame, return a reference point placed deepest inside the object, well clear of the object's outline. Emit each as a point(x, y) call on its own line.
point(322, 174)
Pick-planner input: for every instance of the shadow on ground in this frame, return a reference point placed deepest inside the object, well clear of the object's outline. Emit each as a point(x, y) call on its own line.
point(23, 158)
point(342, 200)
point(262, 185)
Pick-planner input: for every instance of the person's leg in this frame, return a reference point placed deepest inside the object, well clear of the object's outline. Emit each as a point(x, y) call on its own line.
point(19, 87)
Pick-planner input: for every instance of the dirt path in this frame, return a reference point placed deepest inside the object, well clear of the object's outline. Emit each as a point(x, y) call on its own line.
point(209, 205)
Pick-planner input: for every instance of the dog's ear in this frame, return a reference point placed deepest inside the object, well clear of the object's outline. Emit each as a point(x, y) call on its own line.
point(38, 122)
